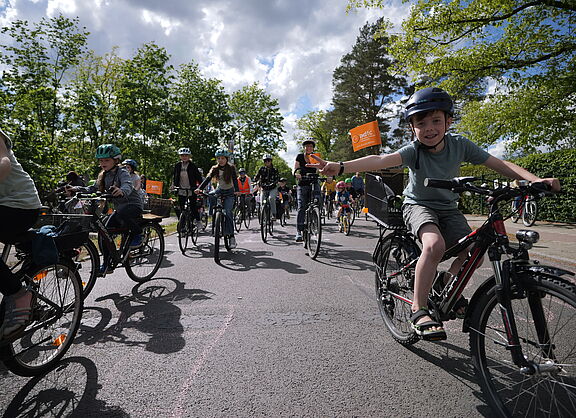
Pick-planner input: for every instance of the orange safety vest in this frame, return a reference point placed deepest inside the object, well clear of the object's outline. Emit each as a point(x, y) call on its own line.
point(244, 187)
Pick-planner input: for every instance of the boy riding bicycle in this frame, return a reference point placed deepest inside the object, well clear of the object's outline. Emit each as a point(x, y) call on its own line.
point(343, 199)
point(432, 214)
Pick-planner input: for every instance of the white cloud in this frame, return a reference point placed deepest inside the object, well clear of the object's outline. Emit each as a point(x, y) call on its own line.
point(291, 47)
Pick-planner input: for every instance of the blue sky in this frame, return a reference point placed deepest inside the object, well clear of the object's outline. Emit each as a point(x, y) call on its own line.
point(291, 47)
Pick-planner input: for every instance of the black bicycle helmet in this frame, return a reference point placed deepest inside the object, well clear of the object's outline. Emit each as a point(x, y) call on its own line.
point(430, 98)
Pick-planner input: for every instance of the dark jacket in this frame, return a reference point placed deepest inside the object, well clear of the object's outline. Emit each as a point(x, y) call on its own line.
point(267, 177)
point(193, 174)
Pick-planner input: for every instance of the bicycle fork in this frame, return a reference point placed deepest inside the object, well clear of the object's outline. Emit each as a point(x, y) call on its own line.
point(504, 295)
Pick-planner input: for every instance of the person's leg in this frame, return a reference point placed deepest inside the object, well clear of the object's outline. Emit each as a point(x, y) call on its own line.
point(194, 208)
point(181, 203)
point(303, 195)
point(228, 203)
point(272, 196)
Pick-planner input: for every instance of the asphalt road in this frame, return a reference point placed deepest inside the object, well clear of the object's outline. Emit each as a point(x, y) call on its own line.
point(269, 332)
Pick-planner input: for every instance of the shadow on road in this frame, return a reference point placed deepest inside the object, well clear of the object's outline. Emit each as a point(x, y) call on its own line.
point(69, 390)
point(150, 310)
point(245, 260)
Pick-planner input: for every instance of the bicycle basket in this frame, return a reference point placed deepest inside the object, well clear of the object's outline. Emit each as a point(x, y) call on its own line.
point(72, 232)
point(382, 202)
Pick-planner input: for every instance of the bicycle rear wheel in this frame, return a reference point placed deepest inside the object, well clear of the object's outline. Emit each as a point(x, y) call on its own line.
point(314, 233)
point(56, 315)
point(530, 212)
point(395, 287)
point(545, 314)
point(143, 262)
point(183, 228)
point(247, 217)
point(352, 216)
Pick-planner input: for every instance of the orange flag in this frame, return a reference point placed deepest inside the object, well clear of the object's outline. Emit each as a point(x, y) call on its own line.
point(365, 136)
point(154, 187)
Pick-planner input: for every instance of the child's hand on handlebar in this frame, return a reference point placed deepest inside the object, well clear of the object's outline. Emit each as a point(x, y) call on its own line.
point(115, 191)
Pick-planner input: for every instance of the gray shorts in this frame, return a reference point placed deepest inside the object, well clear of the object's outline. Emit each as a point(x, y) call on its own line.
point(452, 223)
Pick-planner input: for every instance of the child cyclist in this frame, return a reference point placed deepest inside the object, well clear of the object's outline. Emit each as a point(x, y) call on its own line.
point(225, 174)
point(116, 180)
point(343, 199)
point(432, 214)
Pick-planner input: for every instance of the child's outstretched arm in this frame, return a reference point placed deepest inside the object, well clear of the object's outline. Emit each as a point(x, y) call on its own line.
point(513, 171)
point(368, 163)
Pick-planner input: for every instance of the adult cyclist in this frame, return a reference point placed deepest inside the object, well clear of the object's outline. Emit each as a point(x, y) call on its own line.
point(305, 186)
point(186, 177)
point(246, 189)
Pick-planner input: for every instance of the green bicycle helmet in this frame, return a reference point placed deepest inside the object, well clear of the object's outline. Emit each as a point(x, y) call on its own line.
point(108, 151)
point(222, 153)
point(348, 180)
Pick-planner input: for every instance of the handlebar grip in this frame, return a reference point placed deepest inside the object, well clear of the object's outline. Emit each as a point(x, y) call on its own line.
point(440, 183)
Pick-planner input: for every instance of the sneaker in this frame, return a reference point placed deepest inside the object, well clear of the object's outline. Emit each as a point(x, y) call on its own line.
point(299, 236)
point(136, 241)
point(232, 242)
point(104, 269)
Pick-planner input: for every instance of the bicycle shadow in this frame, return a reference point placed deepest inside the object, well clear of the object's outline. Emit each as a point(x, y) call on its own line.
point(456, 361)
point(70, 389)
point(150, 310)
point(250, 260)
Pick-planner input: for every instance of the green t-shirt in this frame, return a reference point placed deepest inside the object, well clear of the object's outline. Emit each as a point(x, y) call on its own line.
point(442, 165)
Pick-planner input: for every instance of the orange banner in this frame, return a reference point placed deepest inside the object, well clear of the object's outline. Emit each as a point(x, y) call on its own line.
point(154, 187)
point(365, 135)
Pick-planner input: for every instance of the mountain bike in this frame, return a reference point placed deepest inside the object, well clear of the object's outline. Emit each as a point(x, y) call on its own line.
point(525, 207)
point(141, 263)
point(242, 212)
point(218, 219)
point(187, 228)
point(312, 234)
point(521, 321)
point(57, 305)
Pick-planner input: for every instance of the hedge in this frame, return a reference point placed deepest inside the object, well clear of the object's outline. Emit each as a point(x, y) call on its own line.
point(561, 164)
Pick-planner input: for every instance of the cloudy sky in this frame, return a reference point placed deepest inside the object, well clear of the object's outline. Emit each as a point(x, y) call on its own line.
point(291, 47)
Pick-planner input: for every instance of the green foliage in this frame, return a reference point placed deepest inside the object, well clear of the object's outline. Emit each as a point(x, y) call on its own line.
point(314, 124)
point(524, 50)
point(363, 88)
point(558, 164)
point(257, 126)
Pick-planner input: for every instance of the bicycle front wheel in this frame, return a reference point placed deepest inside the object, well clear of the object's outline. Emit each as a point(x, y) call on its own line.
point(545, 314)
point(314, 233)
point(183, 228)
point(143, 262)
point(87, 261)
point(530, 212)
point(395, 287)
point(346, 225)
point(238, 218)
point(56, 316)
point(218, 224)
point(247, 217)
point(264, 223)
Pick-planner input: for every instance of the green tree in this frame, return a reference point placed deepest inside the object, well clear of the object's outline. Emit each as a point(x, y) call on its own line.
point(144, 105)
point(524, 50)
point(314, 125)
point(364, 90)
point(35, 63)
point(200, 113)
point(257, 125)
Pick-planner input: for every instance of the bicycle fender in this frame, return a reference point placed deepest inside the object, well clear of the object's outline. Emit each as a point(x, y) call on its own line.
point(536, 267)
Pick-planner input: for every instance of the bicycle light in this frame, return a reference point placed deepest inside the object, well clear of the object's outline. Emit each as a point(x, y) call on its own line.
point(530, 237)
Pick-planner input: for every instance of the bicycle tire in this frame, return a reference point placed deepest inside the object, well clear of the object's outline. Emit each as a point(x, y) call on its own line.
point(238, 218)
point(393, 286)
point(515, 211)
point(265, 219)
point(247, 217)
point(530, 212)
point(352, 216)
point(56, 319)
point(204, 219)
point(314, 233)
point(217, 233)
point(183, 229)
point(194, 231)
point(87, 261)
point(507, 390)
point(143, 262)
